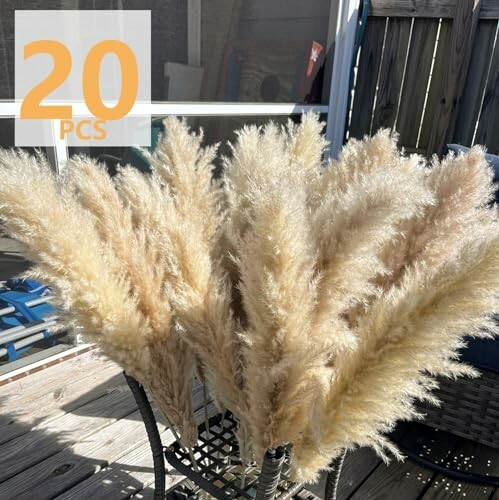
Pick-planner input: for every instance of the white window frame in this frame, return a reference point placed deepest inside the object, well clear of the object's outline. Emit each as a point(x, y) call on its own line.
point(59, 155)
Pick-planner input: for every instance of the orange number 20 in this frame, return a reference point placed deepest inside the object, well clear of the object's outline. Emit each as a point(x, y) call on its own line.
point(31, 107)
point(129, 80)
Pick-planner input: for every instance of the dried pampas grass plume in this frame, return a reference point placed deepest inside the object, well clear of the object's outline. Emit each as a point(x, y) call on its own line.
point(199, 288)
point(139, 249)
point(462, 188)
point(318, 299)
point(61, 239)
point(400, 354)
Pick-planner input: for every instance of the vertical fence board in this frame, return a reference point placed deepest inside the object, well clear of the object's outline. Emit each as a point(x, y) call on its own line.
point(465, 70)
point(487, 132)
point(471, 101)
point(432, 102)
point(463, 32)
point(424, 33)
point(413, 8)
point(365, 89)
point(492, 142)
point(392, 72)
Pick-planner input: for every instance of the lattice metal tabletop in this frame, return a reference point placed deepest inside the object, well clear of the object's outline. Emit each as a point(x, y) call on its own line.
point(213, 468)
point(215, 465)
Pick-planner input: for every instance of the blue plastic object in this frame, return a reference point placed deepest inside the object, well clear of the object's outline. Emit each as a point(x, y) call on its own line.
point(18, 293)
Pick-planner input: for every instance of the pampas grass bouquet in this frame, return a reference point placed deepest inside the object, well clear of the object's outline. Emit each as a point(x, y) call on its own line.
point(317, 300)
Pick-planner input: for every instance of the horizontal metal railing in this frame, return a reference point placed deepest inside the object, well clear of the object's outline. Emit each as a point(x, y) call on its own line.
point(29, 303)
point(25, 335)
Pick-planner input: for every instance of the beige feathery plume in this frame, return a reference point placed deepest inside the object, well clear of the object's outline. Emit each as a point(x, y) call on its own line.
point(290, 310)
point(267, 181)
point(62, 240)
point(282, 368)
point(400, 352)
point(259, 155)
point(305, 145)
point(351, 226)
point(288, 314)
point(187, 169)
point(132, 185)
point(462, 188)
point(142, 266)
point(200, 292)
point(433, 236)
point(237, 175)
point(142, 261)
point(371, 155)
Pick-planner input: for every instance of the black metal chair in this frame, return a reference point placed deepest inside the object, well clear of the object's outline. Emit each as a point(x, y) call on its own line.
point(214, 466)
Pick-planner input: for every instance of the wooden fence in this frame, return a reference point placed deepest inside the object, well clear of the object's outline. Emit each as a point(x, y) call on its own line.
point(429, 69)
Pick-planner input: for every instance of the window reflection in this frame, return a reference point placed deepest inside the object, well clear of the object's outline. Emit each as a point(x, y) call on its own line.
point(225, 50)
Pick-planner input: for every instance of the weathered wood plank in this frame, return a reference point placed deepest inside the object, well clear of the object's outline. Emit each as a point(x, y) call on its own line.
point(51, 437)
point(463, 33)
point(24, 363)
point(439, 65)
point(492, 143)
point(66, 397)
point(471, 101)
point(367, 77)
point(73, 465)
point(391, 73)
point(424, 33)
point(467, 456)
point(427, 8)
point(358, 465)
point(120, 480)
point(146, 493)
point(398, 480)
point(405, 479)
point(131, 474)
point(489, 10)
point(413, 8)
point(113, 460)
point(49, 379)
point(487, 132)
